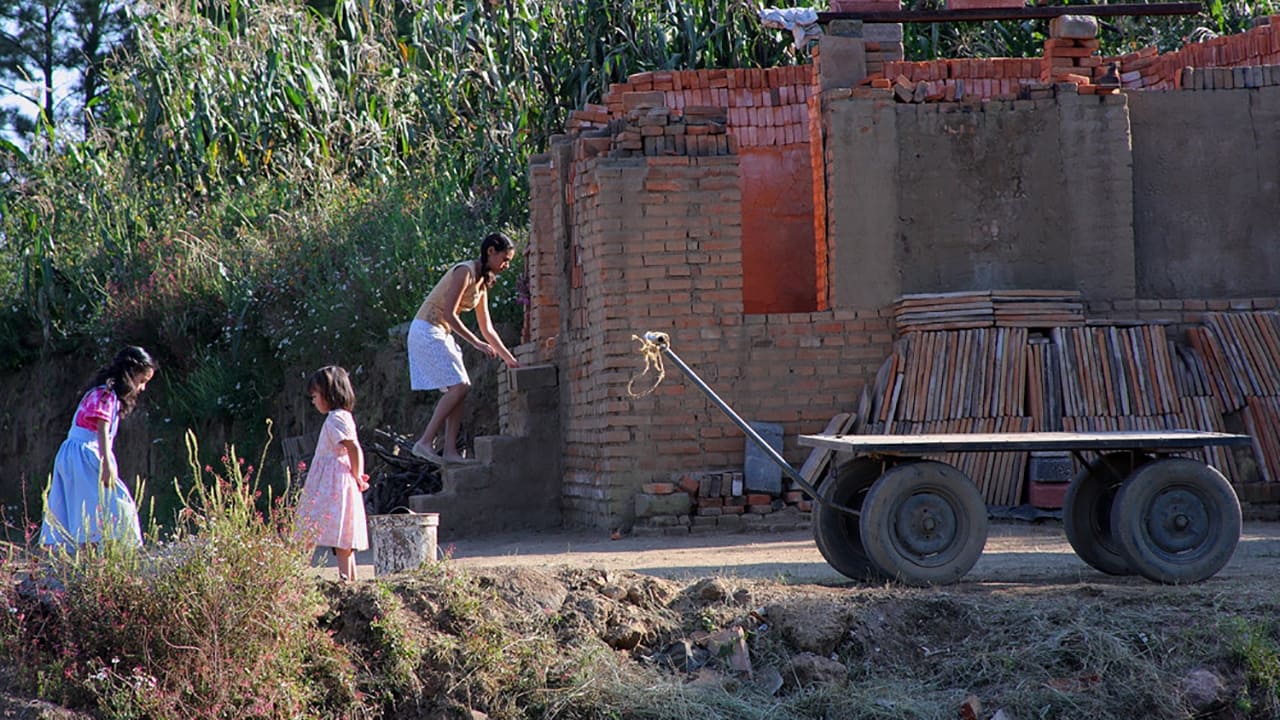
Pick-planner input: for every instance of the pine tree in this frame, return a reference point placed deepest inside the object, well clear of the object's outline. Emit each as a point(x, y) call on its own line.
point(43, 40)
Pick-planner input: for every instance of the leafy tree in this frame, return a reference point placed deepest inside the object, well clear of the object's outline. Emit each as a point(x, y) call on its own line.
point(43, 39)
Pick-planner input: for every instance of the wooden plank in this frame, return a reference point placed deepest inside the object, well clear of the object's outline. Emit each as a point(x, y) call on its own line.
point(1016, 403)
point(864, 410)
point(1007, 442)
point(813, 465)
point(951, 359)
point(893, 402)
point(1251, 425)
point(1109, 381)
point(1160, 341)
point(1270, 323)
point(1016, 13)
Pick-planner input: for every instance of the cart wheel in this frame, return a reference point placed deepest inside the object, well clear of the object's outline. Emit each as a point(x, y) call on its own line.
point(836, 532)
point(1177, 520)
point(924, 523)
point(1086, 514)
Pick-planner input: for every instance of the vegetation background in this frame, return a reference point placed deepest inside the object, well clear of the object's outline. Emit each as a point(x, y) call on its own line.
point(254, 188)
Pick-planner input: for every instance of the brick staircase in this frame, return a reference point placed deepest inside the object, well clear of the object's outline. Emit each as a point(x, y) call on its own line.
point(515, 480)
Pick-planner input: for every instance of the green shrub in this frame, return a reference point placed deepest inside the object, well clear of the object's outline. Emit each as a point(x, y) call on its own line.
point(217, 621)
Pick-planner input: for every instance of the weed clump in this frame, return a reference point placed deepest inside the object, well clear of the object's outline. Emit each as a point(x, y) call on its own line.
point(219, 621)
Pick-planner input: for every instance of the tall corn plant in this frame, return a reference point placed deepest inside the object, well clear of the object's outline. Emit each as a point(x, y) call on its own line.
point(268, 92)
point(497, 79)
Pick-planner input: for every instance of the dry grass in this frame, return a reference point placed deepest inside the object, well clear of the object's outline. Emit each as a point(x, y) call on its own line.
point(522, 643)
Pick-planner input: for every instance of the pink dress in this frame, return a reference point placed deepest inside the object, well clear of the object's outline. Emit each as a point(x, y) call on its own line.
point(331, 510)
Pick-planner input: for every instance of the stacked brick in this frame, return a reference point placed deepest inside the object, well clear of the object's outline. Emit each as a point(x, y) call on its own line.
point(762, 106)
point(714, 501)
point(1232, 78)
point(542, 314)
point(1208, 65)
point(964, 79)
point(1142, 69)
point(1071, 55)
point(1074, 60)
point(631, 242)
point(650, 129)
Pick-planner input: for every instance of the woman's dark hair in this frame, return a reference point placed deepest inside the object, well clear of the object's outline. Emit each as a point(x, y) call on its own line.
point(500, 243)
point(334, 385)
point(119, 376)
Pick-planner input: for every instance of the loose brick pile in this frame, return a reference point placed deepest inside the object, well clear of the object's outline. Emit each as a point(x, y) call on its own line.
point(762, 106)
point(648, 128)
point(961, 79)
point(1074, 60)
point(715, 501)
point(1247, 60)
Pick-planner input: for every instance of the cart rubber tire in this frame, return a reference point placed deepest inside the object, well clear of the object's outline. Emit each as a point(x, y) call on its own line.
point(1086, 511)
point(1177, 520)
point(836, 532)
point(924, 523)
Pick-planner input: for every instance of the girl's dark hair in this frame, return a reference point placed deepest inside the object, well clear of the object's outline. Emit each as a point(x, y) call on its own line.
point(500, 243)
point(334, 385)
point(119, 376)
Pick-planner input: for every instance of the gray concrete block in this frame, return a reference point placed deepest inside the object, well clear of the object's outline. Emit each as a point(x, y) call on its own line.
point(1074, 27)
point(471, 476)
point(532, 377)
point(654, 506)
point(760, 472)
point(845, 28)
point(843, 62)
point(882, 32)
point(499, 449)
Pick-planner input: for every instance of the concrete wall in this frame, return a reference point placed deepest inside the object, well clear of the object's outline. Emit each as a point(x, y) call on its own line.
point(1119, 196)
point(1206, 192)
point(938, 198)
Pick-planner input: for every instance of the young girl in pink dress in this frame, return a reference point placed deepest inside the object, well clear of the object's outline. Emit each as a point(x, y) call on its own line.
point(331, 510)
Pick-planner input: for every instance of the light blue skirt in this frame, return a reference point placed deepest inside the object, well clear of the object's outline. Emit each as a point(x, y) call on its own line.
point(78, 509)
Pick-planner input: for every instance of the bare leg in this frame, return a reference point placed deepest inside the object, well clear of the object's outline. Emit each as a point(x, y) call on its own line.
point(452, 426)
point(346, 563)
point(448, 413)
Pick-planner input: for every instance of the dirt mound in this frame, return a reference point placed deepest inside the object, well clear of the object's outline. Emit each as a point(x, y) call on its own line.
point(1124, 649)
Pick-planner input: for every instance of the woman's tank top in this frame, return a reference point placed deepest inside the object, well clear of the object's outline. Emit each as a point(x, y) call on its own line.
point(434, 310)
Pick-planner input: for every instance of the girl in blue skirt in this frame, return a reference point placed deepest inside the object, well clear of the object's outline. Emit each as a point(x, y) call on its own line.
point(86, 498)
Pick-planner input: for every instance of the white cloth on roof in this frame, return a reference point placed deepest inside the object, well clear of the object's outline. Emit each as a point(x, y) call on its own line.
point(802, 22)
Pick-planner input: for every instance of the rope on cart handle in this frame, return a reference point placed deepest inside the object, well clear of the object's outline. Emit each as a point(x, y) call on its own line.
point(651, 346)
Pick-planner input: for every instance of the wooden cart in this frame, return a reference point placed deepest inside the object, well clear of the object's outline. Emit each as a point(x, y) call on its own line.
point(1132, 509)
point(887, 512)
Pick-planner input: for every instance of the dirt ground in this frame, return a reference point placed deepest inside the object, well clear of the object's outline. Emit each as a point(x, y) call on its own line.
point(1016, 553)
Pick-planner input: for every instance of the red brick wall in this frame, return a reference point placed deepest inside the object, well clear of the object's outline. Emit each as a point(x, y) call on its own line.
point(767, 115)
point(621, 245)
point(657, 244)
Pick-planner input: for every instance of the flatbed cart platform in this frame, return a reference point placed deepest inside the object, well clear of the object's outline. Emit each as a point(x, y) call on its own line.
point(887, 512)
point(1133, 509)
